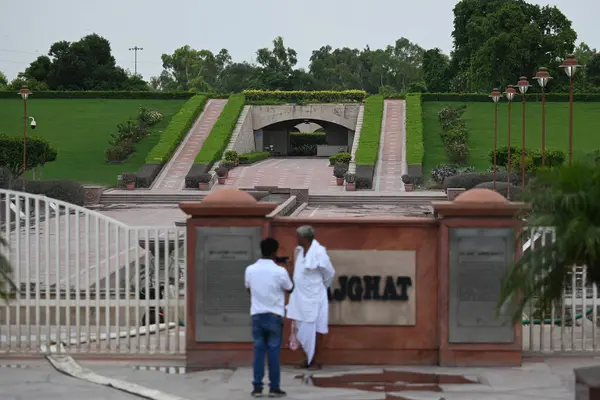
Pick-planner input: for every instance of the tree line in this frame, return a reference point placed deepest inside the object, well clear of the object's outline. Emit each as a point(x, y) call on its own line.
point(495, 42)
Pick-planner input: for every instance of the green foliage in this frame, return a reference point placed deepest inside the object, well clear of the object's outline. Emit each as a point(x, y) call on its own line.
point(219, 136)
point(230, 155)
point(67, 191)
point(100, 95)
point(565, 199)
point(302, 97)
point(502, 188)
point(39, 152)
point(339, 170)
point(454, 134)
point(251, 158)
point(298, 139)
point(470, 180)
point(342, 157)
point(414, 129)
point(530, 97)
point(176, 130)
point(554, 158)
point(368, 145)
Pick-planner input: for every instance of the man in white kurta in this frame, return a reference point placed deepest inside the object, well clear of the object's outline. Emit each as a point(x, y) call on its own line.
point(308, 305)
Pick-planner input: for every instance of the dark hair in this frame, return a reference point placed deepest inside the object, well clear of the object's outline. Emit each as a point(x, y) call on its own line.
point(268, 247)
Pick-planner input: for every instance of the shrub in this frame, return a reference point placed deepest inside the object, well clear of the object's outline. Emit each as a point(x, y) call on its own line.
point(227, 165)
point(149, 117)
point(339, 170)
point(128, 177)
point(176, 130)
point(6, 178)
point(250, 158)
point(340, 158)
point(350, 178)
point(300, 96)
point(39, 152)
point(362, 182)
point(230, 155)
point(222, 172)
point(67, 191)
point(306, 150)
point(554, 158)
point(502, 188)
point(204, 178)
point(219, 136)
point(368, 144)
point(119, 152)
point(147, 174)
point(192, 181)
point(414, 129)
point(298, 139)
point(411, 179)
point(103, 95)
point(472, 179)
point(455, 135)
point(443, 171)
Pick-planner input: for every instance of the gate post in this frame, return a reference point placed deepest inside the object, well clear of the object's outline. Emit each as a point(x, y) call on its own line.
point(478, 242)
point(223, 237)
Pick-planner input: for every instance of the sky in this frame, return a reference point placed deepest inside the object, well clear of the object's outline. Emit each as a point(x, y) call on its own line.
point(29, 27)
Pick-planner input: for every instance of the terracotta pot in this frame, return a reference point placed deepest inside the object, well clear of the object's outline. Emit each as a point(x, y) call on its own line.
point(130, 186)
point(350, 187)
point(339, 181)
point(203, 186)
point(236, 163)
point(408, 187)
point(222, 180)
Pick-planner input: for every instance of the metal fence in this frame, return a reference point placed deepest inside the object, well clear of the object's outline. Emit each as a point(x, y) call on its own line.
point(88, 281)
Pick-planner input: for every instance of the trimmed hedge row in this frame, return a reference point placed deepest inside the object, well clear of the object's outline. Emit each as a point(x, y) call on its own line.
point(478, 97)
point(414, 129)
point(251, 158)
point(176, 130)
point(218, 138)
point(368, 144)
point(301, 96)
point(102, 95)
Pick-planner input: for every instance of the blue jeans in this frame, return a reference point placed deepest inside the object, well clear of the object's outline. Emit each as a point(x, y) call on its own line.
point(267, 331)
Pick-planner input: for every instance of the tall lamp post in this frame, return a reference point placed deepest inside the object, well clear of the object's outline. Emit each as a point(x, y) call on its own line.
point(24, 92)
point(510, 93)
point(523, 86)
point(496, 95)
point(543, 77)
point(570, 66)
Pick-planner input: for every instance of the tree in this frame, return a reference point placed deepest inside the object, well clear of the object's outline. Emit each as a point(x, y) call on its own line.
point(565, 199)
point(276, 66)
point(3, 81)
point(39, 152)
point(436, 71)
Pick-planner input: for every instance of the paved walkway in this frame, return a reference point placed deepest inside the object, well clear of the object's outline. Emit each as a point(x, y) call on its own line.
point(173, 175)
point(552, 379)
point(392, 148)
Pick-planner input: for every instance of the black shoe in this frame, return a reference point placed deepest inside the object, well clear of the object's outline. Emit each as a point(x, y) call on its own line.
point(257, 392)
point(277, 393)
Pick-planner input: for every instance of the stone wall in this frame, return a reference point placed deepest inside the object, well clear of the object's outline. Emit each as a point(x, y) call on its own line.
point(341, 114)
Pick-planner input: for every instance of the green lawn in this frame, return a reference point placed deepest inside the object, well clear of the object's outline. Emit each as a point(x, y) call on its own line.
point(81, 129)
point(480, 122)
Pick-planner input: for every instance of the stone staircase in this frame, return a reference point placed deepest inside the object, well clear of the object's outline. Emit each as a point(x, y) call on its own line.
point(172, 176)
point(359, 123)
point(392, 148)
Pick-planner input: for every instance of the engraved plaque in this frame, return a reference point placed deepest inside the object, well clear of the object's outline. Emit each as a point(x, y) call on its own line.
point(479, 258)
point(222, 301)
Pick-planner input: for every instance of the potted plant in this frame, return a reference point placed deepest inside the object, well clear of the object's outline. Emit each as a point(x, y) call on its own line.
point(350, 182)
point(129, 180)
point(228, 165)
point(410, 181)
point(339, 171)
point(232, 156)
point(204, 181)
point(222, 175)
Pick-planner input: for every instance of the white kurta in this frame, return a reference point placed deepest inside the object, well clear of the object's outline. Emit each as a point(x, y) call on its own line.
point(308, 305)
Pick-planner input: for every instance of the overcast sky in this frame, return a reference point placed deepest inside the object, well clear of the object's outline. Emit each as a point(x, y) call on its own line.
point(29, 27)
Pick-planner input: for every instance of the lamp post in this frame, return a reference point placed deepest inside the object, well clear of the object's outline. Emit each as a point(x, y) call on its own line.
point(523, 86)
point(496, 95)
point(570, 66)
point(543, 77)
point(510, 93)
point(24, 92)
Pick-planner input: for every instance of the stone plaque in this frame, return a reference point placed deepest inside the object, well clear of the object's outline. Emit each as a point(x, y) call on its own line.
point(373, 287)
point(222, 301)
point(479, 258)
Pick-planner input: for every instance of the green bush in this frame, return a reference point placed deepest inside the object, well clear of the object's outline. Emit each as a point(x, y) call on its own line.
point(502, 188)
point(102, 95)
point(67, 191)
point(368, 144)
point(342, 157)
point(251, 158)
point(219, 136)
point(414, 129)
point(455, 135)
point(298, 139)
point(484, 98)
point(39, 153)
point(231, 155)
point(472, 179)
point(176, 130)
point(301, 96)
point(554, 158)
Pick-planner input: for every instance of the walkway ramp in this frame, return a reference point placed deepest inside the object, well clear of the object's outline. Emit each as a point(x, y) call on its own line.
point(172, 177)
point(392, 148)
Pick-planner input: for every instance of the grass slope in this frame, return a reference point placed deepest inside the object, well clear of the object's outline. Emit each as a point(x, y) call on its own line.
point(480, 122)
point(81, 129)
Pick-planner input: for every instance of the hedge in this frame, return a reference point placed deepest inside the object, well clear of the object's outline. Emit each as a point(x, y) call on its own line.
point(300, 96)
point(218, 138)
point(176, 130)
point(414, 129)
point(368, 144)
point(479, 97)
point(101, 95)
point(251, 158)
point(298, 139)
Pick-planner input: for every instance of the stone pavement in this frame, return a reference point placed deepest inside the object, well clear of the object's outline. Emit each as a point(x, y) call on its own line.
point(391, 149)
point(552, 379)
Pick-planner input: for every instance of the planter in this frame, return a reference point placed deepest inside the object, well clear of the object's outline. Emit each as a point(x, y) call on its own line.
point(339, 181)
point(203, 186)
point(222, 180)
point(351, 187)
point(408, 187)
point(236, 163)
point(130, 186)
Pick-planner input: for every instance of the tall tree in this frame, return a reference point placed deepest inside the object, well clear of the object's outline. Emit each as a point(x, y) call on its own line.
point(3, 81)
point(276, 66)
point(436, 71)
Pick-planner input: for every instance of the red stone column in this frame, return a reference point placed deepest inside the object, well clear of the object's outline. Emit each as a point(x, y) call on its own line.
point(231, 209)
point(477, 242)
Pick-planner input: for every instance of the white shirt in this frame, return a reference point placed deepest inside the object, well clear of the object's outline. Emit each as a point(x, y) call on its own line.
point(267, 282)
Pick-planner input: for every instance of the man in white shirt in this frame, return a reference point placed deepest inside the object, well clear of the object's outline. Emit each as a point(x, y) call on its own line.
point(308, 307)
point(267, 283)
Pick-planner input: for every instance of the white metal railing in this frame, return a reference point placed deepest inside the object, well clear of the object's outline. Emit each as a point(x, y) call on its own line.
point(89, 281)
point(571, 325)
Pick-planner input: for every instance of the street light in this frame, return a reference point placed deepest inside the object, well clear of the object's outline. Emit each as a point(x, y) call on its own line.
point(543, 77)
point(496, 95)
point(510, 93)
point(523, 86)
point(25, 93)
point(570, 66)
